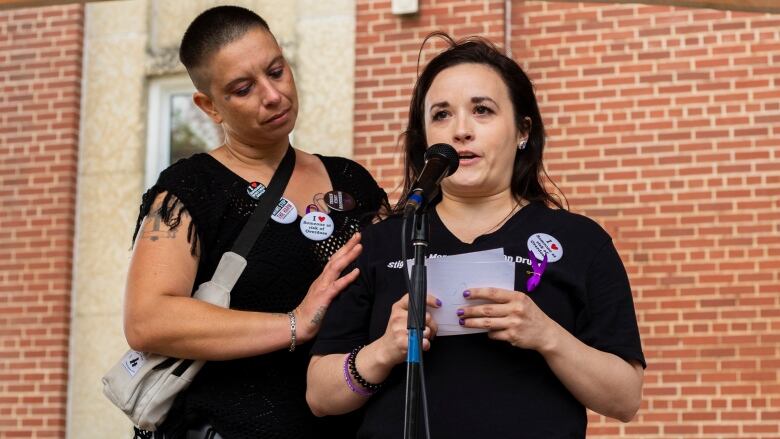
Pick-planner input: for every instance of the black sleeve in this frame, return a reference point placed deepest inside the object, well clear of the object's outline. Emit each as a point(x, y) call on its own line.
point(608, 322)
point(189, 189)
point(170, 212)
point(346, 323)
point(371, 198)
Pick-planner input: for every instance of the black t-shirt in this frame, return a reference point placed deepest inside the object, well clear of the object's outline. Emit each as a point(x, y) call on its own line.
point(479, 387)
point(262, 396)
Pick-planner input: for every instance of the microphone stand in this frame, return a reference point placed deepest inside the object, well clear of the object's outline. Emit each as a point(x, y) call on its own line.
point(416, 325)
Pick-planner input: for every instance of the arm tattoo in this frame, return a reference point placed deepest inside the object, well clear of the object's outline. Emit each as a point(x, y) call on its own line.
point(318, 316)
point(156, 233)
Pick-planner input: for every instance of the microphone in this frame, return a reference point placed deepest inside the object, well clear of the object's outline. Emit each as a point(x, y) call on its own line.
point(441, 160)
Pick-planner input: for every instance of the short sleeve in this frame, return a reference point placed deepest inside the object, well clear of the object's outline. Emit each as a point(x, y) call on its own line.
point(170, 211)
point(355, 179)
point(375, 196)
point(608, 321)
point(189, 188)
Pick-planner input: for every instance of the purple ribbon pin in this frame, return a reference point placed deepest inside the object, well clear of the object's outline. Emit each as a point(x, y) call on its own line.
point(538, 269)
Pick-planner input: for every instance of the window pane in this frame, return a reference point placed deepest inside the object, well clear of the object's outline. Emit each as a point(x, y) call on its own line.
point(191, 130)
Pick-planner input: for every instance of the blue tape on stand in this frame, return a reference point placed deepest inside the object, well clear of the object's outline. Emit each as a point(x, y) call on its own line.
point(413, 354)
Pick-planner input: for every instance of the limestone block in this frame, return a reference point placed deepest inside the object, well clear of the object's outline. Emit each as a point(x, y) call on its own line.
point(108, 208)
point(325, 79)
point(113, 123)
point(102, 344)
point(115, 19)
point(323, 9)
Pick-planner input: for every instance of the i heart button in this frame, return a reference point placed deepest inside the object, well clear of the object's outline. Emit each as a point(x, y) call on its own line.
point(317, 226)
point(542, 244)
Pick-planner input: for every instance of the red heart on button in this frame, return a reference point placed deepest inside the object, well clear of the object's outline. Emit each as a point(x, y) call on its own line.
point(321, 218)
point(554, 247)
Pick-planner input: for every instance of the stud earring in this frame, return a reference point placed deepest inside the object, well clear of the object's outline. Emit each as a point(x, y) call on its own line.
point(521, 145)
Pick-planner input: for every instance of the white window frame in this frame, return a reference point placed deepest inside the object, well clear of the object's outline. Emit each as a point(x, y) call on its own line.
point(158, 133)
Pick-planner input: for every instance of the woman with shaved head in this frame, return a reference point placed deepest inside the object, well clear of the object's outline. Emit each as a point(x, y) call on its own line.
point(253, 384)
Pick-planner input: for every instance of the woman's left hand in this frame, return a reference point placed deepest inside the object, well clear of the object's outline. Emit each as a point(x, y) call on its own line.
point(511, 316)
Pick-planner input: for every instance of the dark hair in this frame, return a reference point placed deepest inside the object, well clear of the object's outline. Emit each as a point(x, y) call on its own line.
point(210, 31)
point(527, 174)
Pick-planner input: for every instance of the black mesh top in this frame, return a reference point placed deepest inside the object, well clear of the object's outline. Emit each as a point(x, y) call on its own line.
point(261, 396)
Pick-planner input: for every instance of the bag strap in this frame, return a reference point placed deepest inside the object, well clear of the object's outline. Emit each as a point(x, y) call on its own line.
point(268, 201)
point(249, 234)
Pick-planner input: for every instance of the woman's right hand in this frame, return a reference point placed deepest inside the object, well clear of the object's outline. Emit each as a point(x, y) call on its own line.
point(394, 344)
point(325, 288)
point(326, 392)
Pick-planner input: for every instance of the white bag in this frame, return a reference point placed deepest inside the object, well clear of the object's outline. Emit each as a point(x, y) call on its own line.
point(144, 385)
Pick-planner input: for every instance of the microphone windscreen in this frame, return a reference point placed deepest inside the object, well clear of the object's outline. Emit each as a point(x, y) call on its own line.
point(446, 152)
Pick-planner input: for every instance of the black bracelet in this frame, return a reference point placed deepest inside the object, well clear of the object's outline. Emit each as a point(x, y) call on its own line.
point(353, 371)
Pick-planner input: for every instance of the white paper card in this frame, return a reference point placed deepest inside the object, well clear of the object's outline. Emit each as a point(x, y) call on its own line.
point(448, 278)
point(494, 255)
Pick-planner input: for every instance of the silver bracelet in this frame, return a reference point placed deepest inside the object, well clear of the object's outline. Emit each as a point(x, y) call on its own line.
point(291, 315)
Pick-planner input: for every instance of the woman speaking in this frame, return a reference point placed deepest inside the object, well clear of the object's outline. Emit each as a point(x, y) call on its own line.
point(565, 338)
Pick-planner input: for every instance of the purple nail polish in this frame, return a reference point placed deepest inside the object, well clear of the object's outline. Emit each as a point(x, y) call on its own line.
point(466, 293)
point(438, 302)
point(460, 312)
point(461, 322)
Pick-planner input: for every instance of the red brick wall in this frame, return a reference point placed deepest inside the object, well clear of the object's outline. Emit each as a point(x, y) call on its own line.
point(663, 125)
point(40, 77)
point(386, 51)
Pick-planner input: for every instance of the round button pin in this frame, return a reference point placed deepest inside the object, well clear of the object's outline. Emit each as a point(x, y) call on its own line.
point(255, 190)
point(543, 244)
point(317, 226)
point(285, 212)
point(339, 200)
point(319, 201)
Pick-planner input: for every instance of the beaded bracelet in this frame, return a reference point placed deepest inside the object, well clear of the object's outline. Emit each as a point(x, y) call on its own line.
point(359, 390)
point(356, 375)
